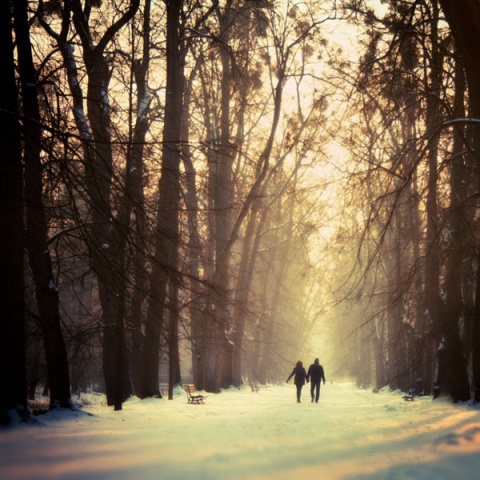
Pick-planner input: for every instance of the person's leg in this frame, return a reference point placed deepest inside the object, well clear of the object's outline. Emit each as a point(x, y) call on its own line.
point(299, 392)
point(312, 388)
point(317, 393)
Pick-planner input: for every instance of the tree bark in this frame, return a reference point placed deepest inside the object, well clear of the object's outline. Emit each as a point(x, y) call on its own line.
point(134, 198)
point(165, 267)
point(452, 368)
point(454, 308)
point(194, 248)
point(251, 244)
point(37, 229)
point(219, 352)
point(13, 396)
point(463, 17)
point(106, 231)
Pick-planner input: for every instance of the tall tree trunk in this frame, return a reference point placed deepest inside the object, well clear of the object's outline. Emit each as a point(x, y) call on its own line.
point(432, 266)
point(98, 239)
point(202, 325)
point(423, 354)
point(37, 229)
point(454, 309)
point(454, 370)
point(174, 377)
point(397, 348)
point(463, 16)
point(364, 345)
point(381, 371)
point(219, 356)
point(104, 247)
point(13, 395)
point(165, 268)
point(252, 238)
point(134, 197)
point(194, 248)
point(251, 245)
point(106, 231)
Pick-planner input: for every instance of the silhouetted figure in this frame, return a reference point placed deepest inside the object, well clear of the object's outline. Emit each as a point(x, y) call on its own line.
point(315, 374)
point(300, 378)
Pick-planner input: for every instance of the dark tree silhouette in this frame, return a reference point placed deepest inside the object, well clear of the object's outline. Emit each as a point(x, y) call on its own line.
point(13, 395)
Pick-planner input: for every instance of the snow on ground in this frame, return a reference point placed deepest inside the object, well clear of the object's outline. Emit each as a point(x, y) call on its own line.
point(237, 434)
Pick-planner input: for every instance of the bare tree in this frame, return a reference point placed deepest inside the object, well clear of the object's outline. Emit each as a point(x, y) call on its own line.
point(463, 18)
point(37, 230)
point(13, 396)
point(164, 276)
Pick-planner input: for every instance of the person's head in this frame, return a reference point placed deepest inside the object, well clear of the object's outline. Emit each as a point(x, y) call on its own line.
point(299, 364)
point(317, 361)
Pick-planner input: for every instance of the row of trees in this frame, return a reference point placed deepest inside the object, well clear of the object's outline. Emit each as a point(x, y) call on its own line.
point(161, 172)
point(415, 98)
point(159, 178)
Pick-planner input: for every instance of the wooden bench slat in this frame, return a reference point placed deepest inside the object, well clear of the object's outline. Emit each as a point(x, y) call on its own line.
point(192, 395)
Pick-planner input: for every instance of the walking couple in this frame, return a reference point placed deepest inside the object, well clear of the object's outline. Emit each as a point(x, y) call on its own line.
point(315, 375)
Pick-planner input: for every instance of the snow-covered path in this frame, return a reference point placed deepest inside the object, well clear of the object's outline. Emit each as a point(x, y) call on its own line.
point(350, 434)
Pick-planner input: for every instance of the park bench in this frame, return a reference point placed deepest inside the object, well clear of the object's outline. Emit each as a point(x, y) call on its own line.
point(192, 395)
point(411, 396)
point(255, 388)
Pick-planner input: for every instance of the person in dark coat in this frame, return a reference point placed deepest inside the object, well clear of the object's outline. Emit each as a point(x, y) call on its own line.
point(315, 375)
point(300, 378)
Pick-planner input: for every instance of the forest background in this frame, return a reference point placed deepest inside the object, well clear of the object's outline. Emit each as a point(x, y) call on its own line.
point(211, 190)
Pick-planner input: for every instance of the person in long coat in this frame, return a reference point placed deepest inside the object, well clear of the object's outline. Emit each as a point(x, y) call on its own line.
point(315, 375)
point(300, 378)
